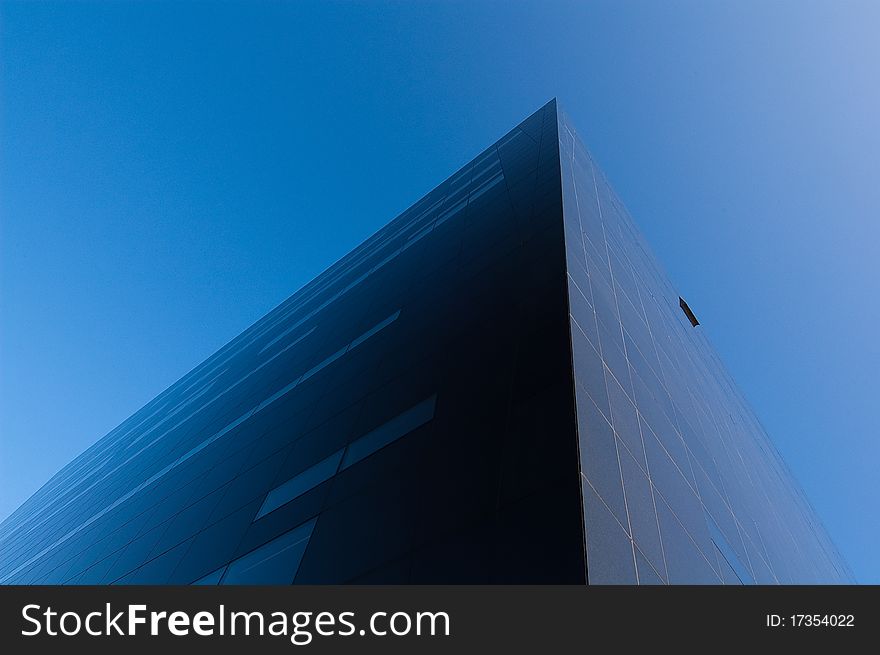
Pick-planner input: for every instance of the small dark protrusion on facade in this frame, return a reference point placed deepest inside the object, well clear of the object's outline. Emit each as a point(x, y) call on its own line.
point(688, 312)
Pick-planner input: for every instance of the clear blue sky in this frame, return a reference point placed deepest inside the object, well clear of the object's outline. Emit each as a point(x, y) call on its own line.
point(169, 173)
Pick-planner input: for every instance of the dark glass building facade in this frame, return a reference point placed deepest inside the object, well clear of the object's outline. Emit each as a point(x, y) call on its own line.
point(500, 386)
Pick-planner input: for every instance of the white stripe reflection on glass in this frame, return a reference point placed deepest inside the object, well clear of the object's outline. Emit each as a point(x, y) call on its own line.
point(193, 451)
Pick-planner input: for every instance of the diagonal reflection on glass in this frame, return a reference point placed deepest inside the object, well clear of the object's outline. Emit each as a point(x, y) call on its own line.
point(360, 448)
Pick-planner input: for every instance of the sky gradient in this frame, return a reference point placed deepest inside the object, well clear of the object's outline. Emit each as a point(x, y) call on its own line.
point(171, 172)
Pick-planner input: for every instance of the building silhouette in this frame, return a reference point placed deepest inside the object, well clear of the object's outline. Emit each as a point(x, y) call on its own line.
point(500, 386)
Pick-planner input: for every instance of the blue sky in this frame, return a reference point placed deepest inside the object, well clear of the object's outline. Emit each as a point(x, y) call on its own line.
point(170, 172)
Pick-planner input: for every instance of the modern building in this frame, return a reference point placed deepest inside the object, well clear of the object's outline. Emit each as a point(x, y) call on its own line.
point(500, 386)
